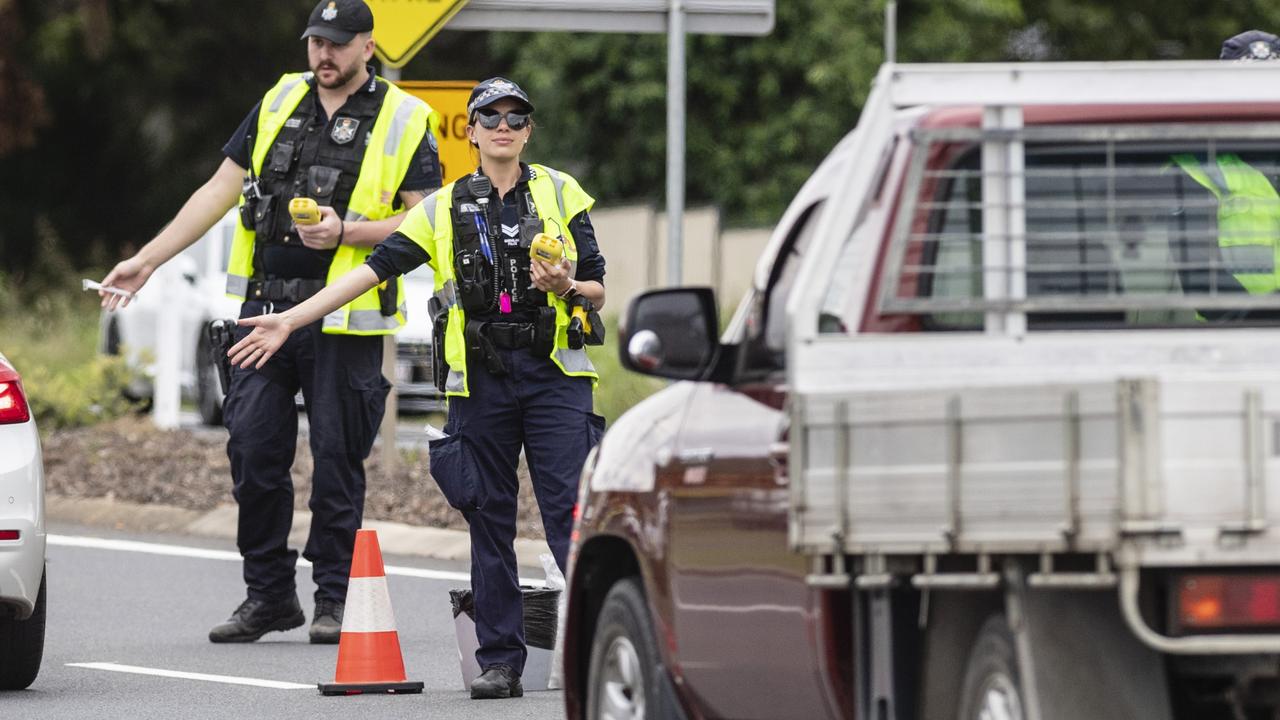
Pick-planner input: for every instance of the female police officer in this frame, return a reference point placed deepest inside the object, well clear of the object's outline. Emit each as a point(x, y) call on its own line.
point(509, 363)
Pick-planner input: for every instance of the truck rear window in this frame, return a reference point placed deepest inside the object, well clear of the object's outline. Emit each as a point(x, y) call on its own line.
point(1125, 227)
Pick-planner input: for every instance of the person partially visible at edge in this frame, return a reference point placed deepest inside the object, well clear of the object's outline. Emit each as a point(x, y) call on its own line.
point(1247, 257)
point(512, 379)
point(364, 150)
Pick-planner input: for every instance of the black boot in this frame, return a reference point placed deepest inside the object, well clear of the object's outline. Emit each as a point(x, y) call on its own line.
point(497, 681)
point(326, 624)
point(255, 618)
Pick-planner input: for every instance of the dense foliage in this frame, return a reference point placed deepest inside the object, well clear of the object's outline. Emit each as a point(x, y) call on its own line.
point(113, 111)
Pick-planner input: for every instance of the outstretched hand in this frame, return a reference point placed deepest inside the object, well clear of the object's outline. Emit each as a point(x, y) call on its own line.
point(129, 275)
point(269, 333)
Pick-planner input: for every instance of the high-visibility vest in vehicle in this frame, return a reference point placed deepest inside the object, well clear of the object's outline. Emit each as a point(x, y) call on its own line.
point(557, 198)
point(402, 122)
point(1248, 219)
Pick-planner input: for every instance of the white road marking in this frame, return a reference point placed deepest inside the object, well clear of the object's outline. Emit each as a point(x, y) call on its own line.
point(207, 554)
point(228, 679)
point(151, 548)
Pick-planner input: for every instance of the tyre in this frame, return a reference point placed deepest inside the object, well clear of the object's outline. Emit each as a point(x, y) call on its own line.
point(992, 689)
point(22, 646)
point(625, 672)
point(208, 387)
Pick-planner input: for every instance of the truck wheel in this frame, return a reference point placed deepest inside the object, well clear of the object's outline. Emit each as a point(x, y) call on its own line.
point(623, 680)
point(992, 689)
point(208, 388)
point(22, 647)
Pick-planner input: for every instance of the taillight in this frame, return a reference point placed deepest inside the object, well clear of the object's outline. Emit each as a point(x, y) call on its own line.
point(10, 534)
point(13, 404)
point(1220, 602)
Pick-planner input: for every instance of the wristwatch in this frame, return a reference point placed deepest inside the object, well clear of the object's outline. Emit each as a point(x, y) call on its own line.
point(570, 291)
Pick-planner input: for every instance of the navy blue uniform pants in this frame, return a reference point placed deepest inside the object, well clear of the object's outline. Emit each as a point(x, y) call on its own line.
point(537, 407)
point(345, 394)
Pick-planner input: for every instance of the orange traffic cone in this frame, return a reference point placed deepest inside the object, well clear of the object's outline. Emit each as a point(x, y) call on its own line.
point(369, 657)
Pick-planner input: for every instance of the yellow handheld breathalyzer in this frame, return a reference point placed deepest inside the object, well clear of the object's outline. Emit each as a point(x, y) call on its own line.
point(546, 248)
point(304, 210)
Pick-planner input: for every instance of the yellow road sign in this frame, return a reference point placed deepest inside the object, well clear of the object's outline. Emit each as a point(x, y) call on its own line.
point(402, 27)
point(450, 100)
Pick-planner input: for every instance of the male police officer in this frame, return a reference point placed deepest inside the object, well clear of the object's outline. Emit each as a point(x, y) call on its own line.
point(364, 150)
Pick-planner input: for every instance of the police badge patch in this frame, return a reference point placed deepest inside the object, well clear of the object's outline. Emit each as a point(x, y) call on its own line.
point(1261, 50)
point(329, 13)
point(344, 130)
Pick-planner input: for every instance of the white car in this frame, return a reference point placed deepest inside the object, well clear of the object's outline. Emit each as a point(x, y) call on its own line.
point(22, 537)
point(193, 284)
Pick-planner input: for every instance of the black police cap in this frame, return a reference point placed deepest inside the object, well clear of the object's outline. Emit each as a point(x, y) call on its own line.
point(1251, 45)
point(339, 20)
point(494, 89)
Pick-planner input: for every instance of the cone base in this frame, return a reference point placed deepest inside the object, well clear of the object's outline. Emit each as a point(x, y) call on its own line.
point(361, 688)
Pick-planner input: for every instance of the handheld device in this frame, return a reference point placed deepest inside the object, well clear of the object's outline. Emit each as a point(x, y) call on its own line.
point(87, 284)
point(546, 248)
point(585, 327)
point(221, 336)
point(304, 210)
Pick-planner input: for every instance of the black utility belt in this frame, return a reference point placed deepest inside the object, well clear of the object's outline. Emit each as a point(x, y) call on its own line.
point(486, 338)
point(291, 290)
point(510, 336)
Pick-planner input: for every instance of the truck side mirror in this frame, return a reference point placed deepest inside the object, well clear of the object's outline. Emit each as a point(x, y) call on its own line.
point(671, 333)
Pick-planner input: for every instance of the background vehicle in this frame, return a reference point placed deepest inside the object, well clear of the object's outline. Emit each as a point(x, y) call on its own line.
point(994, 434)
point(198, 279)
point(193, 284)
point(415, 391)
point(22, 537)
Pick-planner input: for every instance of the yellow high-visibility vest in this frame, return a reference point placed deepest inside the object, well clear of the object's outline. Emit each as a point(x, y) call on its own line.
point(402, 122)
point(1248, 219)
point(558, 198)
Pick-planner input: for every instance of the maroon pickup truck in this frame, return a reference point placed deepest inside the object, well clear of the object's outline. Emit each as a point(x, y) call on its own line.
point(899, 484)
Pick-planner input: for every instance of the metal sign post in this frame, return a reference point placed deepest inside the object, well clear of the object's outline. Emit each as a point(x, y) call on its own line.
point(675, 142)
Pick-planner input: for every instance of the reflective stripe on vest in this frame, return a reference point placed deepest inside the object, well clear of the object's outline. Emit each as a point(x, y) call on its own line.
point(402, 122)
point(1248, 219)
point(430, 225)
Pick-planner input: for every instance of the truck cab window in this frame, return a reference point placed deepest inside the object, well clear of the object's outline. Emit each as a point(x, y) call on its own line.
point(765, 346)
point(1119, 233)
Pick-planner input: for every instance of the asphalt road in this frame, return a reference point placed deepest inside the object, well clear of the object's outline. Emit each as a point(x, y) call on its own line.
point(144, 605)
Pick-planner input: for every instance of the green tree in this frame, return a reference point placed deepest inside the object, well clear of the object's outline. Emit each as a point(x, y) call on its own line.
point(113, 111)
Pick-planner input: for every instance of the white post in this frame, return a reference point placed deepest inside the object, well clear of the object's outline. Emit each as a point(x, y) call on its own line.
point(167, 386)
point(390, 453)
point(675, 141)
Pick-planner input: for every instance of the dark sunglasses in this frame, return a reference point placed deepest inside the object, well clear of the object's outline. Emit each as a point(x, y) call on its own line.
point(489, 119)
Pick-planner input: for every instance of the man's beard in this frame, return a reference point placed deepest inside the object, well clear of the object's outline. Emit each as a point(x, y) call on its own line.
point(344, 76)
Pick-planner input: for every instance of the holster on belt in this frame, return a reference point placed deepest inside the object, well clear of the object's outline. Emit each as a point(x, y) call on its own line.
point(439, 328)
point(220, 334)
point(483, 348)
point(544, 332)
